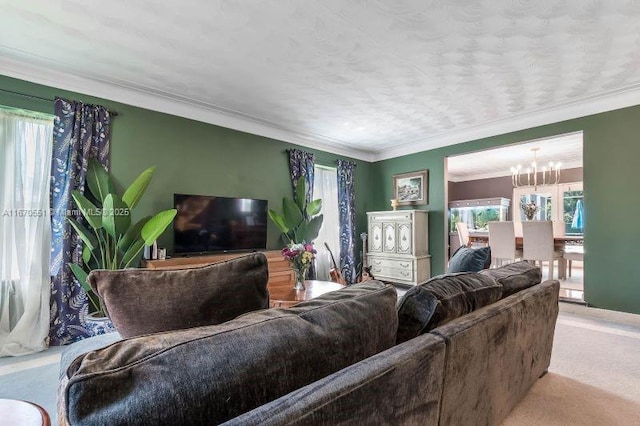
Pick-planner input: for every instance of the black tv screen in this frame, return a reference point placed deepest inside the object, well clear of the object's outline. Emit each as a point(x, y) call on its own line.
point(213, 224)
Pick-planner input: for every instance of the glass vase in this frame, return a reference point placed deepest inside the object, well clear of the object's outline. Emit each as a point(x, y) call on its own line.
point(299, 283)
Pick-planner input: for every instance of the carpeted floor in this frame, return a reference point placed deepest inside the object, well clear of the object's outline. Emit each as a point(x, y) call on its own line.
point(560, 401)
point(593, 379)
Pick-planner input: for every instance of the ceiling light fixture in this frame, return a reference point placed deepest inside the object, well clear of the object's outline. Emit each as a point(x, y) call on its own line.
point(550, 173)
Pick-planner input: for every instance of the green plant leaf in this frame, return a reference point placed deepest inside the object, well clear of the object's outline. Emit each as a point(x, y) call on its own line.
point(132, 234)
point(134, 193)
point(86, 254)
point(314, 207)
point(133, 250)
point(156, 225)
point(292, 214)
point(116, 216)
point(311, 229)
point(300, 193)
point(81, 275)
point(98, 180)
point(278, 220)
point(88, 238)
point(88, 210)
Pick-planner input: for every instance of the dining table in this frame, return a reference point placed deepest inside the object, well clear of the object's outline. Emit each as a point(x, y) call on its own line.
point(558, 242)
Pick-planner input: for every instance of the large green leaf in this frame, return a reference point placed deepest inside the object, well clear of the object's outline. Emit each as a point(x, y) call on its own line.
point(88, 210)
point(314, 207)
point(86, 254)
point(156, 225)
point(87, 237)
point(132, 234)
point(131, 253)
point(81, 275)
point(292, 214)
point(301, 193)
point(279, 221)
point(309, 231)
point(134, 193)
point(116, 216)
point(98, 180)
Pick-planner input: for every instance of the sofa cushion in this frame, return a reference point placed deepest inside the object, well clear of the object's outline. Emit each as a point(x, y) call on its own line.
point(143, 301)
point(515, 276)
point(470, 259)
point(210, 374)
point(441, 299)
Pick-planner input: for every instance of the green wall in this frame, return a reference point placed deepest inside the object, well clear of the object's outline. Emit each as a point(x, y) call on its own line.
point(193, 157)
point(612, 200)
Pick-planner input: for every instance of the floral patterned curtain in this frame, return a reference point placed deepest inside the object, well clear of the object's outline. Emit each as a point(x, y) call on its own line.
point(347, 206)
point(81, 132)
point(302, 163)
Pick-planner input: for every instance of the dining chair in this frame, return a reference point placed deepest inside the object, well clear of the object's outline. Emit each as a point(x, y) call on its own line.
point(502, 240)
point(463, 233)
point(572, 253)
point(538, 245)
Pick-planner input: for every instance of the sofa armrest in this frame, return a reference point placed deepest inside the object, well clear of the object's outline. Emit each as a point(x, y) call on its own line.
point(495, 354)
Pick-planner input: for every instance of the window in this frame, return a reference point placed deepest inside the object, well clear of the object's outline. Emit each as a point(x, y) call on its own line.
point(25, 231)
point(325, 187)
point(563, 204)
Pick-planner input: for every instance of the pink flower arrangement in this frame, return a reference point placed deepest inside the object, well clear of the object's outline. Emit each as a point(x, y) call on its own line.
point(300, 256)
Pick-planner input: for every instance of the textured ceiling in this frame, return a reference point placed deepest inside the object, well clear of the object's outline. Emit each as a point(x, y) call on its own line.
point(371, 78)
point(566, 149)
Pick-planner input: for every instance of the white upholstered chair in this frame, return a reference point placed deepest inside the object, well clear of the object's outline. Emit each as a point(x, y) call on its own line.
point(537, 245)
point(572, 253)
point(502, 240)
point(463, 233)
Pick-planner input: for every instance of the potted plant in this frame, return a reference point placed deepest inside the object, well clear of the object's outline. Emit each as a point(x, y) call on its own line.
point(300, 223)
point(110, 239)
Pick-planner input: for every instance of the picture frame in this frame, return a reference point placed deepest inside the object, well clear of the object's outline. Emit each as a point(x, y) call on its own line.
point(411, 188)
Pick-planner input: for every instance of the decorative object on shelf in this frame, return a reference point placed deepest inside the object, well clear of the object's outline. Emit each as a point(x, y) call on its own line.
point(300, 257)
point(550, 174)
point(411, 188)
point(529, 209)
point(394, 203)
point(111, 241)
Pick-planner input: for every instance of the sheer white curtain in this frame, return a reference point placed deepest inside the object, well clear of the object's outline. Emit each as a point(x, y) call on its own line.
point(25, 231)
point(325, 187)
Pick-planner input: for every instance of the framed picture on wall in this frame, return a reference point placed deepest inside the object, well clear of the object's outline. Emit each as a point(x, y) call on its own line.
point(411, 188)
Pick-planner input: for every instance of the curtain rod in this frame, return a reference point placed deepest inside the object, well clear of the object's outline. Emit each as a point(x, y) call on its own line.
point(113, 113)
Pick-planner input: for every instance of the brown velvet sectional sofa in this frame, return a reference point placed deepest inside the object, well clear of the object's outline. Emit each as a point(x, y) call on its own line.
point(338, 359)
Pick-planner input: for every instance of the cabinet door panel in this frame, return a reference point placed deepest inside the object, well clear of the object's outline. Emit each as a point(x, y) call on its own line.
point(375, 239)
point(405, 244)
point(389, 233)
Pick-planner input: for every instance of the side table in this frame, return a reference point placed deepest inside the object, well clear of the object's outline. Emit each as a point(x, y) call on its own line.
point(23, 413)
point(284, 296)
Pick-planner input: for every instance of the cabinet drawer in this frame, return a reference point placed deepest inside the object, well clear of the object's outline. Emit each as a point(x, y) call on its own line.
point(395, 269)
point(391, 216)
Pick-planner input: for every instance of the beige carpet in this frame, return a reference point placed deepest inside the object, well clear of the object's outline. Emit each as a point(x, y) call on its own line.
point(558, 400)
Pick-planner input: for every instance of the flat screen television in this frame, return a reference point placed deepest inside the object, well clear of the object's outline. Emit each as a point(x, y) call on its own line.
point(206, 224)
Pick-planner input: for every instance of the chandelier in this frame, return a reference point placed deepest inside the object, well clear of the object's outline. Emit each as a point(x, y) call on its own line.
point(550, 173)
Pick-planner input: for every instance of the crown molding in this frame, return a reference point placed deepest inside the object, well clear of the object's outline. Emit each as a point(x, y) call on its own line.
point(502, 173)
point(609, 101)
point(196, 110)
point(169, 104)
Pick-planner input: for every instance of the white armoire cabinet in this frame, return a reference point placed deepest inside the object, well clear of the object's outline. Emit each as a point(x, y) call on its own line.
point(398, 248)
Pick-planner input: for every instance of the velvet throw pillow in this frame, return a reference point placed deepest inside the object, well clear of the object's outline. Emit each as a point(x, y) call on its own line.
point(143, 301)
point(442, 299)
point(515, 276)
point(211, 374)
point(470, 259)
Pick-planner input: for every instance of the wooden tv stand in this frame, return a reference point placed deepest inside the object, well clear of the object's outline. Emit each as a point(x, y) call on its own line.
point(280, 271)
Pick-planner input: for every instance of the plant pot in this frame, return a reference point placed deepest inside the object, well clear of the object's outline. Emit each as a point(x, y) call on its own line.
point(96, 325)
